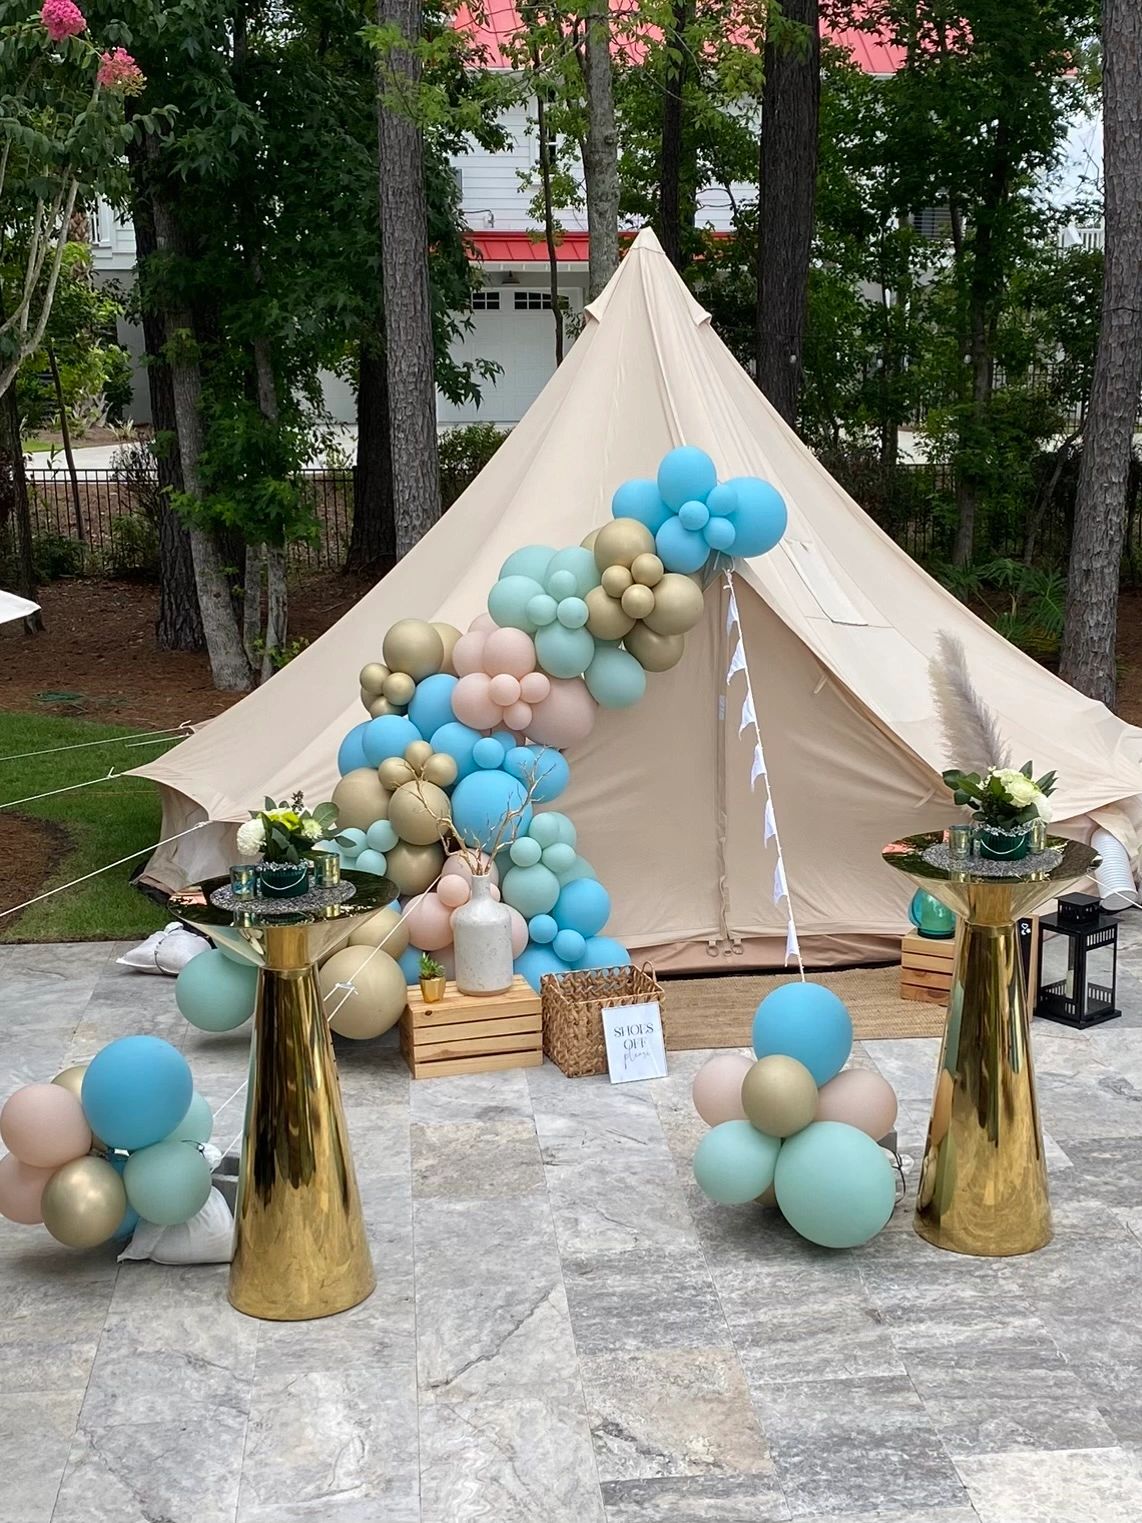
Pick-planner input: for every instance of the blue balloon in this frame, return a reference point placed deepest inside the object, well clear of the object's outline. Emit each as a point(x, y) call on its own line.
point(604, 952)
point(807, 1022)
point(530, 561)
point(381, 836)
point(457, 741)
point(488, 752)
point(694, 515)
point(542, 929)
point(734, 1163)
point(409, 964)
point(391, 735)
point(584, 906)
point(640, 499)
point(215, 992)
point(533, 962)
point(480, 802)
point(719, 535)
point(431, 704)
point(548, 767)
point(351, 753)
point(357, 840)
point(137, 1090)
point(167, 1183)
point(614, 679)
point(130, 1220)
point(760, 517)
point(573, 612)
point(684, 475)
point(563, 652)
point(570, 946)
point(679, 548)
point(369, 861)
point(834, 1185)
point(722, 500)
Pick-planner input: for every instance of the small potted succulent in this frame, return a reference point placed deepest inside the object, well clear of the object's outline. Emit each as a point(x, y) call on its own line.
point(284, 836)
point(432, 980)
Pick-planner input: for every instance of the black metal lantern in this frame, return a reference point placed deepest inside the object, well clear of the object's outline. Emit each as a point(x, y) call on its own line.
point(1078, 963)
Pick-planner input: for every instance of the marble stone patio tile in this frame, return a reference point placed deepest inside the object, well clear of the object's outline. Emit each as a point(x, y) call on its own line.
point(964, 1513)
point(989, 1406)
point(507, 1460)
point(373, 1072)
point(66, 961)
point(783, 1337)
point(858, 1445)
point(491, 1310)
point(41, 1003)
point(909, 1065)
point(941, 1318)
point(758, 1243)
point(472, 1097)
point(1115, 1386)
point(645, 1299)
point(36, 1432)
point(31, 1059)
point(755, 1498)
point(671, 1413)
point(332, 1447)
point(53, 1305)
point(597, 1215)
point(1094, 1103)
point(477, 1160)
point(379, 1334)
point(1066, 1486)
point(630, 1137)
point(380, 1140)
point(1104, 1173)
point(1086, 1294)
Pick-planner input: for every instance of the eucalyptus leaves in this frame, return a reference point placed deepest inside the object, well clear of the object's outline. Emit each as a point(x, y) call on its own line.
point(1004, 797)
point(287, 832)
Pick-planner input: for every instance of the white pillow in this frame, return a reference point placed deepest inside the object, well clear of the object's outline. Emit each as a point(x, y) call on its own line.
point(166, 951)
point(207, 1238)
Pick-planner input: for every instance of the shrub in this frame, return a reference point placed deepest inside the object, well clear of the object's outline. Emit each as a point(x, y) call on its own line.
point(133, 551)
point(464, 452)
point(54, 557)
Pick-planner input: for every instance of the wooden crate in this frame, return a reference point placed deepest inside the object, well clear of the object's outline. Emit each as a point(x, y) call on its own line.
point(468, 1034)
point(926, 968)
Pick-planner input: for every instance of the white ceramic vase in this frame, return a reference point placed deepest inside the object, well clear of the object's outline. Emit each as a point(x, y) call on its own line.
point(482, 941)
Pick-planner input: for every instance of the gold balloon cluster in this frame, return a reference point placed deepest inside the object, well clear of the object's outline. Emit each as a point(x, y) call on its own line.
point(412, 650)
point(638, 601)
point(418, 809)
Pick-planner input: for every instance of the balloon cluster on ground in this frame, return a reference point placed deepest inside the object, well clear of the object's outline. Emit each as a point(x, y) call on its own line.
point(106, 1145)
point(794, 1128)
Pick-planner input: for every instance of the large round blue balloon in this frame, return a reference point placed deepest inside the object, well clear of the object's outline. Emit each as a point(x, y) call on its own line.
point(480, 802)
point(807, 1022)
point(760, 517)
point(641, 499)
point(604, 952)
point(544, 765)
point(679, 548)
point(351, 753)
point(137, 1090)
point(457, 741)
point(834, 1184)
point(431, 704)
point(216, 993)
point(570, 946)
point(391, 735)
point(534, 961)
point(734, 1163)
point(615, 680)
point(686, 475)
point(409, 964)
point(584, 906)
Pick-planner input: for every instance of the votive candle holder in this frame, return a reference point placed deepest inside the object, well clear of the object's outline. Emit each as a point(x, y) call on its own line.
point(326, 869)
point(243, 881)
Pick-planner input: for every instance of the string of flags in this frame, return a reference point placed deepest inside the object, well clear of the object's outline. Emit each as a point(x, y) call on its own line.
point(758, 770)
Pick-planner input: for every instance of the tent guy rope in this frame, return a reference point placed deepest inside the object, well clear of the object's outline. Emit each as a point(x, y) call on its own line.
point(130, 857)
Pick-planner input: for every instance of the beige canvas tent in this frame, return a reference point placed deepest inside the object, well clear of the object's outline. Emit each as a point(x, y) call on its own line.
point(839, 625)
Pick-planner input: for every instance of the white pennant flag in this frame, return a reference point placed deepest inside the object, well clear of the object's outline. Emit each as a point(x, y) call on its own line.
point(731, 612)
point(737, 661)
point(770, 822)
point(780, 888)
point(758, 768)
point(748, 715)
point(792, 945)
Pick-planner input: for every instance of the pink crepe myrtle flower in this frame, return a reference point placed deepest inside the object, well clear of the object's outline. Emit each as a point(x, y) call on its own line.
point(119, 71)
point(62, 18)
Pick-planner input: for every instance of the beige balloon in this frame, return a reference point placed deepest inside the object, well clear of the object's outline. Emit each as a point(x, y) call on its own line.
point(588, 540)
point(361, 799)
point(84, 1202)
point(419, 813)
point(413, 868)
point(441, 769)
point(605, 617)
point(648, 570)
point(417, 754)
point(379, 707)
point(779, 1096)
point(413, 646)
point(620, 541)
point(378, 996)
point(678, 604)
point(385, 929)
point(372, 678)
point(654, 653)
point(399, 688)
point(616, 580)
point(72, 1079)
point(449, 634)
point(861, 1098)
point(638, 601)
point(394, 772)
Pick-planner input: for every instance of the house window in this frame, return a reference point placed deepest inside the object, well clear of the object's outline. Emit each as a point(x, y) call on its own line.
point(485, 301)
point(533, 301)
point(933, 222)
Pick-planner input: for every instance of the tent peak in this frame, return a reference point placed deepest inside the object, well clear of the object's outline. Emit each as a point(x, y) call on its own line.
point(656, 276)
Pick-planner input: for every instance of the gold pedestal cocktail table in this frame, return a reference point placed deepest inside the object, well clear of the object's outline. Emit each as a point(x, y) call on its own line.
point(300, 1249)
point(983, 1184)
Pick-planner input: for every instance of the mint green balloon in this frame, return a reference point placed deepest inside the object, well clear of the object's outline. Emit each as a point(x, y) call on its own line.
point(530, 890)
point(525, 852)
point(834, 1185)
point(167, 1183)
point(734, 1163)
point(615, 679)
point(560, 858)
point(529, 560)
point(508, 600)
point(551, 826)
point(542, 610)
point(562, 652)
point(197, 1125)
point(580, 563)
point(580, 868)
point(573, 613)
point(215, 992)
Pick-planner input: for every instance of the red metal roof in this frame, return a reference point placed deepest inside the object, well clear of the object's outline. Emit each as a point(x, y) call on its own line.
point(524, 248)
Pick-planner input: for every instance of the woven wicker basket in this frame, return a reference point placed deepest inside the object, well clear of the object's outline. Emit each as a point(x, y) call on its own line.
point(573, 1005)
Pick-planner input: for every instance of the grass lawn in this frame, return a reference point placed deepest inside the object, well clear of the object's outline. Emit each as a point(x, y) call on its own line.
point(102, 823)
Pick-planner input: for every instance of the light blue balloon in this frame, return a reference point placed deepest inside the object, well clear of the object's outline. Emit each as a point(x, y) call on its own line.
point(686, 474)
point(760, 518)
point(570, 945)
point(551, 826)
point(548, 768)
point(640, 499)
point(734, 1163)
point(542, 610)
point(580, 868)
point(542, 929)
point(508, 600)
point(530, 890)
point(351, 753)
point(369, 861)
point(719, 535)
point(409, 964)
point(488, 752)
point(834, 1185)
point(604, 952)
point(584, 906)
point(573, 613)
point(214, 993)
point(808, 1022)
point(381, 836)
point(533, 962)
point(388, 736)
point(167, 1183)
point(480, 802)
point(528, 560)
point(581, 564)
point(722, 500)
point(694, 515)
point(560, 857)
point(679, 549)
point(457, 741)
point(431, 704)
point(357, 841)
point(563, 652)
point(138, 1089)
point(197, 1125)
point(130, 1218)
point(506, 739)
point(524, 852)
point(615, 680)
point(560, 584)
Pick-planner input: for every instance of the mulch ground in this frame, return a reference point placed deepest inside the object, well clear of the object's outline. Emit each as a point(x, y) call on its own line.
point(32, 849)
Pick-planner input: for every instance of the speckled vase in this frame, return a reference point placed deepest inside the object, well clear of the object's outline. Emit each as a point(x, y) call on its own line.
point(482, 941)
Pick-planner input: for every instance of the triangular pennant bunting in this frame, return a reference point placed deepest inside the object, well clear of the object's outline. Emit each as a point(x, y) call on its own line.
point(748, 715)
point(737, 661)
point(758, 768)
point(770, 822)
point(792, 945)
point(780, 887)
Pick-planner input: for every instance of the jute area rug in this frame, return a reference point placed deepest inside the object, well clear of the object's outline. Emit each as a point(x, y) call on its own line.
point(718, 1011)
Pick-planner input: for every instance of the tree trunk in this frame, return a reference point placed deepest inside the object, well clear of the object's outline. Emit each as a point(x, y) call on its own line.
point(372, 543)
point(65, 434)
point(671, 152)
point(600, 149)
point(409, 356)
point(15, 510)
point(1088, 654)
point(252, 603)
point(277, 608)
point(548, 209)
point(790, 110)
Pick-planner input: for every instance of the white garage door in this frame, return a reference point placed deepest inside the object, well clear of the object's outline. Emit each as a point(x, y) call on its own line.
point(512, 326)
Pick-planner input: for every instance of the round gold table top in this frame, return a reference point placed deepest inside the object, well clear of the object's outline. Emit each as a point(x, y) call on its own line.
point(990, 897)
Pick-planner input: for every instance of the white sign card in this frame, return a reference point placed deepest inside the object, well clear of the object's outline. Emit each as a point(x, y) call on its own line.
point(635, 1045)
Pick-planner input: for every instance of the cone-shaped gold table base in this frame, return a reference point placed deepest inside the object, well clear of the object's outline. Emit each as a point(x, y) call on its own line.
point(300, 1249)
point(983, 1183)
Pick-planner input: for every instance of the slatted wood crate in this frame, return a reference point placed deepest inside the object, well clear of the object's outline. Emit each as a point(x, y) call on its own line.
point(926, 968)
point(466, 1033)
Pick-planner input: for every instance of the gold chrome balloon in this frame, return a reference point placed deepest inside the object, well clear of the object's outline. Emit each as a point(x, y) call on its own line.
point(654, 653)
point(678, 605)
point(361, 799)
point(413, 868)
point(399, 688)
point(372, 678)
point(394, 772)
point(449, 634)
point(779, 1096)
point(620, 541)
point(419, 813)
point(83, 1203)
point(605, 617)
point(413, 646)
point(648, 570)
point(441, 769)
point(638, 601)
point(417, 754)
point(615, 580)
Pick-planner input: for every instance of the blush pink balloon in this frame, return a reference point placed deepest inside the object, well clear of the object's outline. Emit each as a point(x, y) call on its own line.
point(468, 653)
point(504, 689)
point(860, 1098)
point(473, 704)
point(511, 651)
point(429, 923)
point(566, 716)
point(22, 1190)
point(517, 717)
point(453, 891)
point(44, 1125)
point(493, 889)
point(519, 932)
point(718, 1087)
point(534, 687)
point(484, 623)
